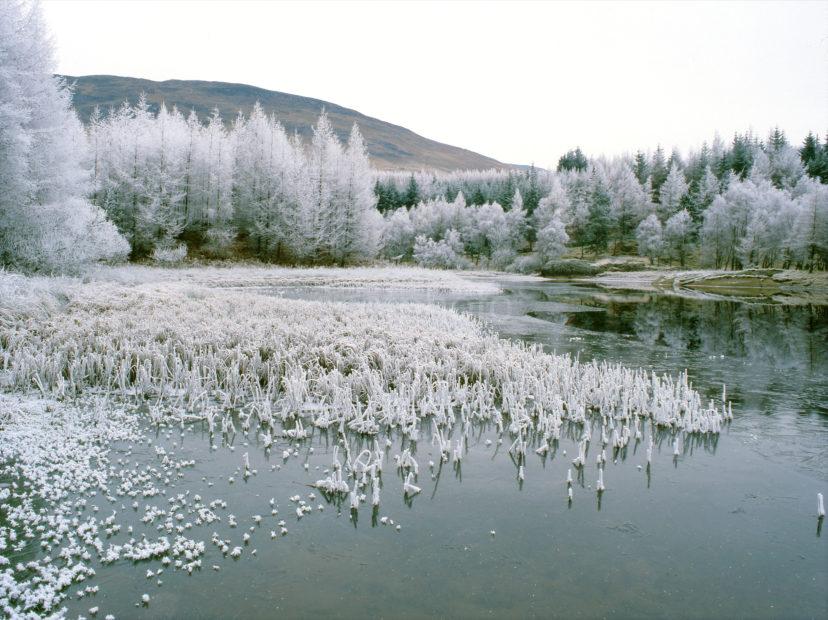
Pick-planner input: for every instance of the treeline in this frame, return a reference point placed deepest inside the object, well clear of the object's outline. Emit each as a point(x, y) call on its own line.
point(395, 189)
point(751, 202)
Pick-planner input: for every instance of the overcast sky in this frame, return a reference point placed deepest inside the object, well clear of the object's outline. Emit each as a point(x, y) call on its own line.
point(519, 82)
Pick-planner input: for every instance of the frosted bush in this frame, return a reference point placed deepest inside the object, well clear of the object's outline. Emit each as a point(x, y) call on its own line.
point(60, 237)
point(527, 264)
point(551, 242)
point(170, 253)
point(219, 242)
point(444, 254)
point(502, 258)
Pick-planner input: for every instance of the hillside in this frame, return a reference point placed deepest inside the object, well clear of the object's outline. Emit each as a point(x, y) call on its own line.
point(390, 146)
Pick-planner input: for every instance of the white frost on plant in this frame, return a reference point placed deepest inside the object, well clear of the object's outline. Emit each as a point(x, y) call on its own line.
point(183, 352)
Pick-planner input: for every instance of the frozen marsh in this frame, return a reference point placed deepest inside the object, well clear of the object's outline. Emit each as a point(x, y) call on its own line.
point(157, 423)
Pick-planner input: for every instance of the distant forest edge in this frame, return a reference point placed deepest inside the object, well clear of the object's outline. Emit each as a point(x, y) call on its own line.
point(175, 186)
point(389, 145)
point(166, 185)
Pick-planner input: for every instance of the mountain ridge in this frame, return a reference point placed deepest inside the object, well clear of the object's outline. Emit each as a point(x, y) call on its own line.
point(390, 146)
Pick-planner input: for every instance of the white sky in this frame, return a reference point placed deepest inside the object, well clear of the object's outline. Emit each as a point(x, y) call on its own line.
point(521, 82)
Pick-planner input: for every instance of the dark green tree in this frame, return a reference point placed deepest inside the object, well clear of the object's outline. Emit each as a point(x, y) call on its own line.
point(477, 196)
point(740, 159)
point(810, 149)
point(776, 140)
point(598, 217)
point(641, 168)
point(573, 160)
point(411, 196)
point(507, 192)
point(532, 195)
point(815, 158)
point(694, 170)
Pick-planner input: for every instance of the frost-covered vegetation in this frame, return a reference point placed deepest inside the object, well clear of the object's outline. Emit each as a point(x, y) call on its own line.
point(168, 180)
point(752, 203)
point(87, 364)
point(26, 293)
point(46, 219)
point(359, 366)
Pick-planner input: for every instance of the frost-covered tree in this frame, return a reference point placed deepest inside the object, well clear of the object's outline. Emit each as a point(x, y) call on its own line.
point(553, 205)
point(658, 173)
point(629, 203)
point(46, 221)
point(809, 235)
point(716, 234)
point(725, 225)
point(516, 224)
point(324, 164)
point(768, 229)
point(398, 235)
point(650, 238)
point(677, 234)
point(576, 215)
point(359, 223)
point(483, 230)
point(707, 190)
point(672, 193)
point(551, 241)
point(265, 206)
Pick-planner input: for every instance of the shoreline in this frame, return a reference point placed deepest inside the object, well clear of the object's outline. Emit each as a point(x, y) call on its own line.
point(779, 285)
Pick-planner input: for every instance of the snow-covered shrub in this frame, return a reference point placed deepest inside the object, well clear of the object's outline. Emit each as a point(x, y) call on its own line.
point(551, 241)
point(526, 264)
point(502, 257)
point(60, 237)
point(218, 242)
point(444, 254)
point(569, 268)
point(169, 253)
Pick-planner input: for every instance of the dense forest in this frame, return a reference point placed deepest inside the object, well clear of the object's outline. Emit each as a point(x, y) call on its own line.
point(746, 203)
point(167, 185)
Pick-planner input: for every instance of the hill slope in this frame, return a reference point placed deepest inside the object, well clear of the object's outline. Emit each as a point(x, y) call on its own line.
point(390, 146)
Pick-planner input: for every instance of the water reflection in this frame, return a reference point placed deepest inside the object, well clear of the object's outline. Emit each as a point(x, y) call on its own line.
point(790, 337)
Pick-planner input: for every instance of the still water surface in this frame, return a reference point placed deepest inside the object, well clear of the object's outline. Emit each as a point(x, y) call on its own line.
point(726, 530)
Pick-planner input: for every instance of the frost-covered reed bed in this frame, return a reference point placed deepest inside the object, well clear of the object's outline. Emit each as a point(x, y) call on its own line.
point(361, 367)
point(385, 278)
